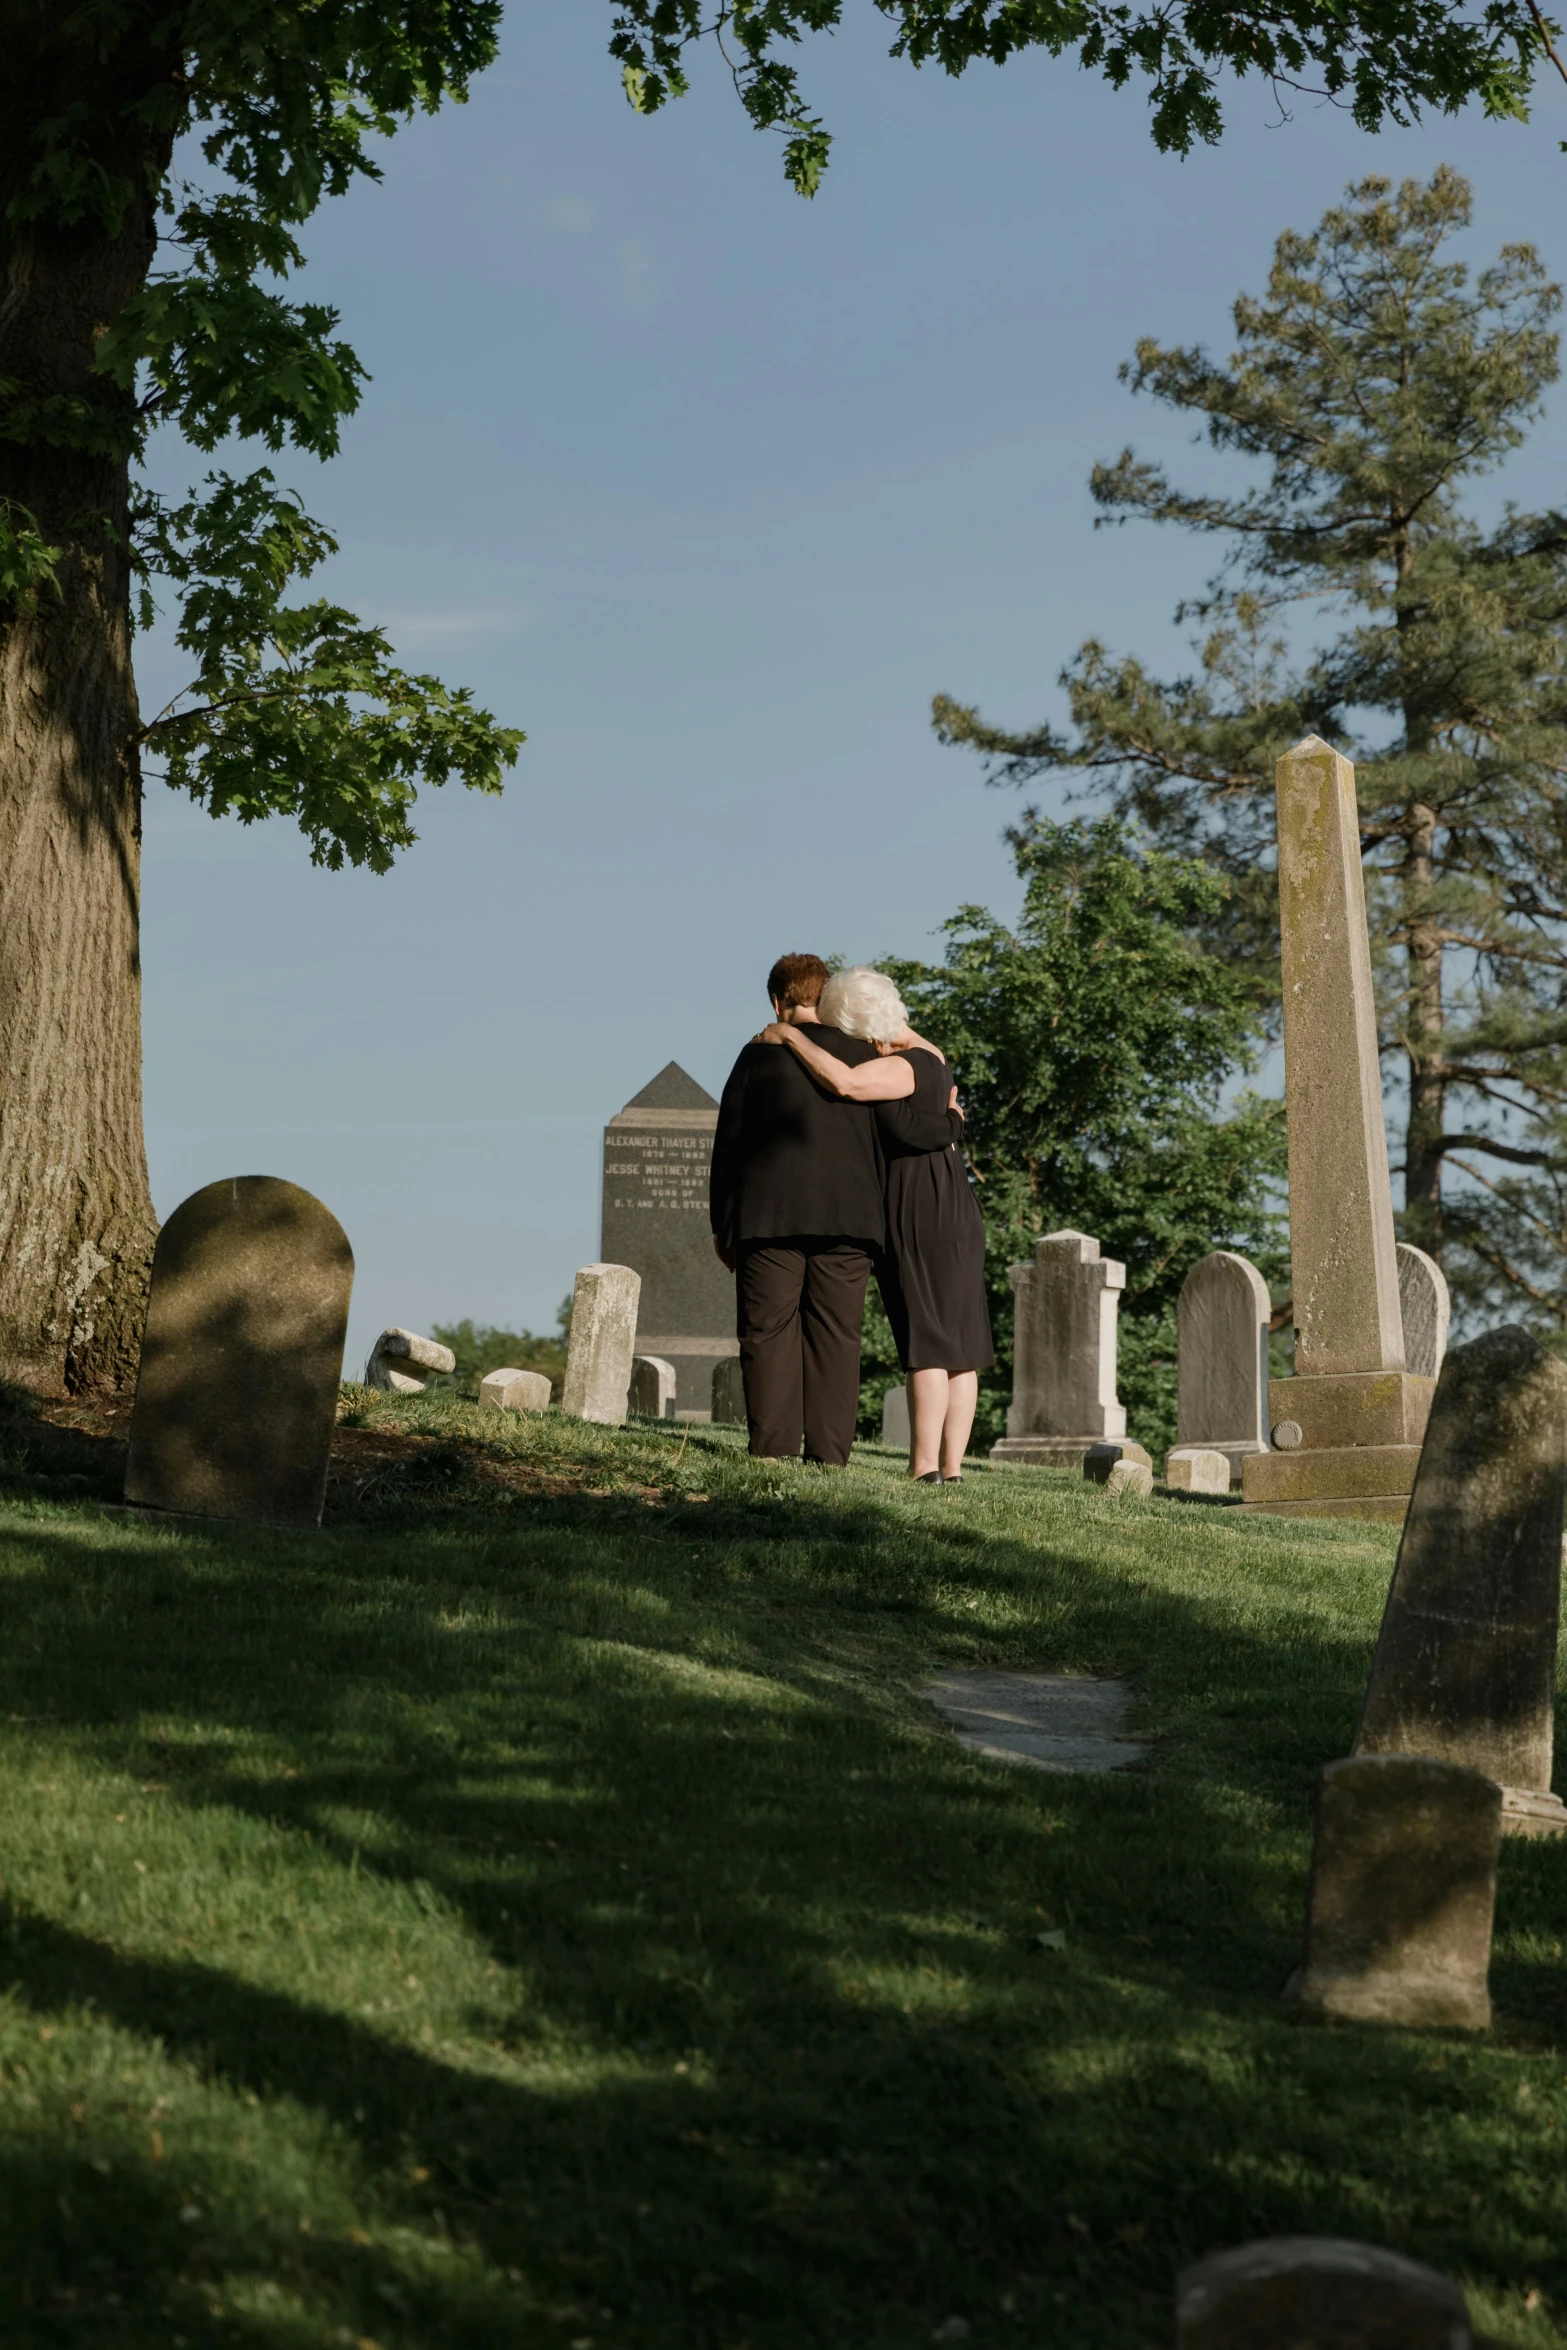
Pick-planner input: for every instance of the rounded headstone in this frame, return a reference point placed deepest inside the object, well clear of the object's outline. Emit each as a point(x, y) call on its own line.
point(1193, 1468)
point(1101, 1460)
point(236, 1396)
point(728, 1393)
point(402, 1361)
point(1317, 2293)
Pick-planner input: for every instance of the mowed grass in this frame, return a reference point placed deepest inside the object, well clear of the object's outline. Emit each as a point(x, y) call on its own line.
point(555, 1918)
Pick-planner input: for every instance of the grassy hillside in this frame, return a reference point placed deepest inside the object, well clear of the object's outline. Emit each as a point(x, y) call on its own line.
point(539, 1908)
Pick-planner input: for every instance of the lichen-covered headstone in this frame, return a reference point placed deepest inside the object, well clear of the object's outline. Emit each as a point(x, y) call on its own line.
point(401, 1361)
point(1221, 1321)
point(1403, 1892)
point(602, 1343)
point(1063, 1353)
point(1465, 1663)
point(728, 1393)
point(1317, 2293)
point(510, 1390)
point(1192, 1468)
point(652, 1391)
point(242, 1357)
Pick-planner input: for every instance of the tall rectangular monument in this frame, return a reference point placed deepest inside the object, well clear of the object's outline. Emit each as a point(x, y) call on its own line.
point(1348, 1425)
point(656, 1154)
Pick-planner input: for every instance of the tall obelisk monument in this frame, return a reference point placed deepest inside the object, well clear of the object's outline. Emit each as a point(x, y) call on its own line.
point(1348, 1424)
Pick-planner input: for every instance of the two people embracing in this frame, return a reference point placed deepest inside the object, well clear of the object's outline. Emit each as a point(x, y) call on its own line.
point(836, 1154)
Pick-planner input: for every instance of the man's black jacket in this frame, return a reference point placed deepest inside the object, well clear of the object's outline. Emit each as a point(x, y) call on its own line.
point(789, 1157)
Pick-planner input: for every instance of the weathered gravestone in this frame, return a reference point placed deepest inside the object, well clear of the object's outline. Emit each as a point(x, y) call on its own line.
point(895, 1418)
point(1063, 1353)
point(652, 1391)
point(402, 1361)
point(1465, 1663)
point(1360, 1413)
point(1100, 1460)
point(656, 1156)
point(1317, 2293)
point(602, 1342)
point(1424, 1308)
point(1403, 1893)
point(236, 1396)
point(1222, 1358)
point(510, 1390)
point(728, 1392)
point(1193, 1469)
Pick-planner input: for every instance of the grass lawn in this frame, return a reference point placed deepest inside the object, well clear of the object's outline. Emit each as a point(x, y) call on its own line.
point(538, 1908)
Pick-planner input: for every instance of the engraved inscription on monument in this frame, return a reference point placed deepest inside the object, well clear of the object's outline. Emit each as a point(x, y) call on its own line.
point(656, 1154)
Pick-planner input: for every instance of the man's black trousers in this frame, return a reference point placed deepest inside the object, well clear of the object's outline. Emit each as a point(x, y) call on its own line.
point(800, 1303)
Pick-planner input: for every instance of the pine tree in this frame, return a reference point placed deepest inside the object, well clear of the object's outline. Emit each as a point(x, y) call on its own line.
point(1357, 598)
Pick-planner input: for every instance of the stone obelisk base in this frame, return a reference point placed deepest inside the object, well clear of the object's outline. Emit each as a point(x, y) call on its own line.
point(1356, 1446)
point(1046, 1452)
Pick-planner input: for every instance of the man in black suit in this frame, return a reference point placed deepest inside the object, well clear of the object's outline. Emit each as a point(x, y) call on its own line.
point(797, 1209)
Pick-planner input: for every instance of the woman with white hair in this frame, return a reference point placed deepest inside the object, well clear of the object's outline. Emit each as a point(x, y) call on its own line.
point(932, 1271)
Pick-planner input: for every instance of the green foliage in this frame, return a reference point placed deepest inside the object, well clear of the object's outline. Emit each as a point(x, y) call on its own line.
point(294, 710)
point(1372, 382)
point(1383, 60)
point(480, 1349)
point(1094, 1042)
point(27, 562)
point(299, 709)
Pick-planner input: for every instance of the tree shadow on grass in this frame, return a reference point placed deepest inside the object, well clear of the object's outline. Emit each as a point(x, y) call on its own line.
point(668, 1772)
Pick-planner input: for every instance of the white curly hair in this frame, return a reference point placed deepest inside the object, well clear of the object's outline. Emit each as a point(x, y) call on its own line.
point(864, 1003)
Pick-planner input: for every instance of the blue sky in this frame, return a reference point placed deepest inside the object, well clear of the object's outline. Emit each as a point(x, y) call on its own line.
point(710, 489)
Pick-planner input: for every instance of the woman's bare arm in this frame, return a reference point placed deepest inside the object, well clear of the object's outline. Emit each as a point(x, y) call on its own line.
point(873, 1081)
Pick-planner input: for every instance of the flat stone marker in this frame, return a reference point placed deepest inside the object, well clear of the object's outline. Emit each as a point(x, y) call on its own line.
point(895, 1418)
point(514, 1391)
point(236, 1397)
point(657, 1153)
point(1051, 1721)
point(1426, 1308)
point(1192, 1468)
point(1222, 1358)
point(1063, 1361)
point(728, 1392)
point(401, 1361)
point(1317, 2293)
point(1361, 1413)
point(1403, 1892)
point(1465, 1663)
point(652, 1390)
point(603, 1339)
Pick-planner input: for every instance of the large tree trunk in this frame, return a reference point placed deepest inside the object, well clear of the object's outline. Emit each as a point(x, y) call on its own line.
point(76, 1219)
point(1426, 1047)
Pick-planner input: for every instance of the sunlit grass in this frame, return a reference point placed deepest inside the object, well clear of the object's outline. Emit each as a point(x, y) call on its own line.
point(554, 1917)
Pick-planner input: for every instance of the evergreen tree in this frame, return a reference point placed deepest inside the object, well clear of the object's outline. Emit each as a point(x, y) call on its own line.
point(1371, 384)
point(1093, 1042)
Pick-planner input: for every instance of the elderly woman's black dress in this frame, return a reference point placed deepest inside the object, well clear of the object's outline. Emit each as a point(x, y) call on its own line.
point(932, 1271)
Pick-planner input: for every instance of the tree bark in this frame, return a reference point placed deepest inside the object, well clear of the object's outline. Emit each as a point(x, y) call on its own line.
point(76, 1217)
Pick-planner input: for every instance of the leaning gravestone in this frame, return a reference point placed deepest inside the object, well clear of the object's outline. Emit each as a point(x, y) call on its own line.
point(1403, 1893)
point(1317, 2293)
point(652, 1390)
point(401, 1361)
point(603, 1339)
point(1425, 1308)
point(656, 1156)
point(1356, 1412)
point(236, 1396)
point(1222, 1358)
point(1465, 1664)
point(1063, 1353)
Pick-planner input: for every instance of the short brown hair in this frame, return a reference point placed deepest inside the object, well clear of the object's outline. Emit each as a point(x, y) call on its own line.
point(797, 979)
